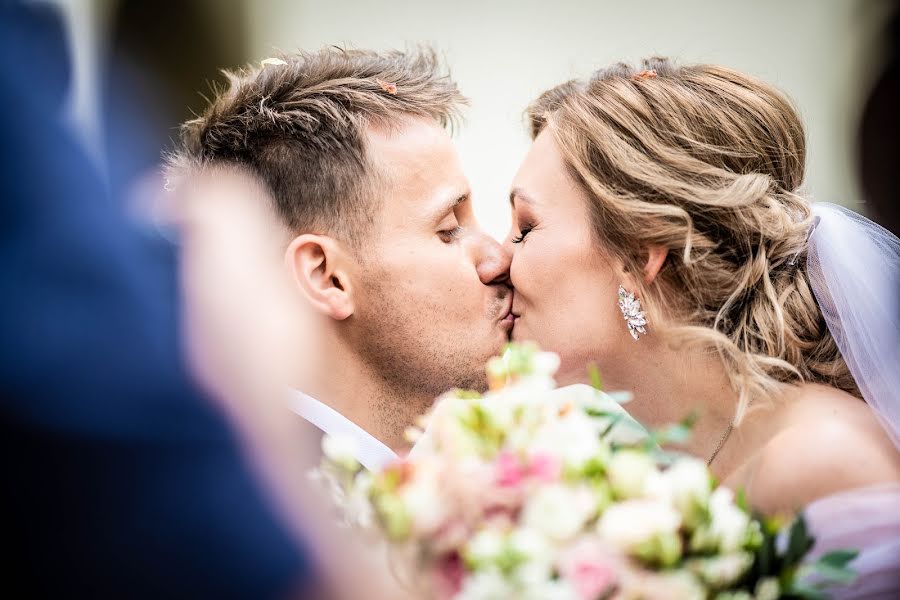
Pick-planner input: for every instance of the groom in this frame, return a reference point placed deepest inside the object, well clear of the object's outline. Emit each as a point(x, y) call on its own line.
point(376, 229)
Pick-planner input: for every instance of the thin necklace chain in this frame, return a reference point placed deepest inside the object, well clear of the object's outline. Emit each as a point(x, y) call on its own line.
point(721, 443)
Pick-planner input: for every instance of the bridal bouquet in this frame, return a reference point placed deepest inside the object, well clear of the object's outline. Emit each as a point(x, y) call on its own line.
point(534, 492)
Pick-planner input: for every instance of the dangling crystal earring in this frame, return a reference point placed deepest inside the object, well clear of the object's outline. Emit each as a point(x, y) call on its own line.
point(631, 310)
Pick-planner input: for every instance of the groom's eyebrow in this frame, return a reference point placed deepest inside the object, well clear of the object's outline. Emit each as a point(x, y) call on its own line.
point(447, 207)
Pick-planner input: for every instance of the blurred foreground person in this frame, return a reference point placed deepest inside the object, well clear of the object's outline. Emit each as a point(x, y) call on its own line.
point(122, 480)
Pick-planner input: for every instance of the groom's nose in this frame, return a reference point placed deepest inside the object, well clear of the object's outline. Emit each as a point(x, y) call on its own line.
point(492, 261)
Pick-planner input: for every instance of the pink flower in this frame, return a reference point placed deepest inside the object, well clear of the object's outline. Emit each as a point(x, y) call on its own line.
point(544, 467)
point(509, 470)
point(589, 567)
point(447, 576)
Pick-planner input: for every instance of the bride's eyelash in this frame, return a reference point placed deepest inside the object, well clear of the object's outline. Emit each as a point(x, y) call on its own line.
point(522, 234)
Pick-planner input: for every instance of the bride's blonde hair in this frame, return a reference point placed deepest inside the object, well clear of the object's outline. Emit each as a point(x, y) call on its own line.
point(705, 162)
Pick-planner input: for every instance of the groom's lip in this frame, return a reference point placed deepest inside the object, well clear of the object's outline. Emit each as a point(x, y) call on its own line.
point(508, 317)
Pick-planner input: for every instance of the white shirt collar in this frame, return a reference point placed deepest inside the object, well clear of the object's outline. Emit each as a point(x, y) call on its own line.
point(373, 454)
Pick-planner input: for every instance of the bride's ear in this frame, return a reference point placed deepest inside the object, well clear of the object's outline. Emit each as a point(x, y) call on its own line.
point(656, 257)
point(319, 266)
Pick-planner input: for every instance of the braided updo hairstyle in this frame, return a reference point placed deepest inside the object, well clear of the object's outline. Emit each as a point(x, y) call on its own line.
point(706, 162)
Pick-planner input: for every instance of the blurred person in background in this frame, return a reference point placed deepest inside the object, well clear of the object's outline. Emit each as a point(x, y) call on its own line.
point(879, 140)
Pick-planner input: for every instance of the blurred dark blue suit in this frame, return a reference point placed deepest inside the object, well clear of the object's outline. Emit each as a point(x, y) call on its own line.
point(119, 479)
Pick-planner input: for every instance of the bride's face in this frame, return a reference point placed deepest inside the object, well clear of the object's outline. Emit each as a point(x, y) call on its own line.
point(566, 287)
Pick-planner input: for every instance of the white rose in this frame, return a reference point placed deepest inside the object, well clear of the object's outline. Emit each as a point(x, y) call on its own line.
point(672, 585)
point(551, 590)
point(485, 546)
point(545, 363)
point(721, 571)
point(627, 524)
point(689, 484)
point(538, 555)
point(558, 511)
point(532, 574)
point(342, 450)
point(574, 439)
point(531, 544)
point(729, 523)
point(485, 585)
point(767, 589)
point(501, 410)
point(628, 471)
point(359, 508)
point(423, 499)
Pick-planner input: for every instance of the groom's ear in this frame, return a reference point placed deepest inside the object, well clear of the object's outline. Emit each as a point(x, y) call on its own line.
point(319, 265)
point(656, 257)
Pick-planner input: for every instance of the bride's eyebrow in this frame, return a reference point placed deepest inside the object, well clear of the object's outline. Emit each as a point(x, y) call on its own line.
point(521, 195)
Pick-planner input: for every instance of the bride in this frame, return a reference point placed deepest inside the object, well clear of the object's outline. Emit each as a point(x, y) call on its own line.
point(658, 232)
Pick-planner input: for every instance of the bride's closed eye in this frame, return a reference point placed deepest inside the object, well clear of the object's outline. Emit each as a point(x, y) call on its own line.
point(523, 233)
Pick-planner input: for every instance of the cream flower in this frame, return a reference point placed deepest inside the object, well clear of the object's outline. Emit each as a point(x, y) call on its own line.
point(558, 511)
point(574, 438)
point(630, 523)
point(486, 585)
point(686, 484)
point(423, 499)
point(342, 450)
point(485, 546)
point(721, 571)
point(628, 472)
point(531, 544)
point(729, 523)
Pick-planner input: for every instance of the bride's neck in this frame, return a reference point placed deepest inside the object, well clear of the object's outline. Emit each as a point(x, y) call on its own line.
point(669, 385)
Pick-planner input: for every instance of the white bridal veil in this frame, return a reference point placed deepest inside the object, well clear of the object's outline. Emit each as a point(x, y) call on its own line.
point(854, 268)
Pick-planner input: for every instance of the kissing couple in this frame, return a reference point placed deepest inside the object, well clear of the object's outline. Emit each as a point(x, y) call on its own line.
point(658, 232)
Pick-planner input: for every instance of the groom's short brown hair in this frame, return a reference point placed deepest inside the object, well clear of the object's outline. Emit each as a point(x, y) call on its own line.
point(298, 123)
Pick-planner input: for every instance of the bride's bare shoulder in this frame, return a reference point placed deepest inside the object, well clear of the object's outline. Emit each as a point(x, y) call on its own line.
point(828, 442)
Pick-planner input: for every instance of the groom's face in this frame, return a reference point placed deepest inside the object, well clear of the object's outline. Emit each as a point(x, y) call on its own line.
point(434, 304)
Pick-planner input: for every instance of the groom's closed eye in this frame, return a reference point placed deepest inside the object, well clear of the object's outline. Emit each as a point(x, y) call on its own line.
point(450, 235)
point(449, 228)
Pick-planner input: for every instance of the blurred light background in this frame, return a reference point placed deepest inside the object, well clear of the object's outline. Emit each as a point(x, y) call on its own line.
point(823, 53)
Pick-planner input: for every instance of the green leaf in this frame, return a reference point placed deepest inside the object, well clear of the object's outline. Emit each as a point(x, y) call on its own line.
point(799, 542)
point(690, 420)
point(838, 558)
point(807, 592)
point(677, 434)
point(835, 574)
point(596, 379)
point(741, 500)
point(833, 566)
point(613, 421)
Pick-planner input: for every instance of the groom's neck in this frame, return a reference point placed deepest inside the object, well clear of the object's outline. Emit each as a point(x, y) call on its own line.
point(351, 386)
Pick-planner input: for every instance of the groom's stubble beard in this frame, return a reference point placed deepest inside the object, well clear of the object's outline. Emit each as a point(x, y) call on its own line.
point(393, 337)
